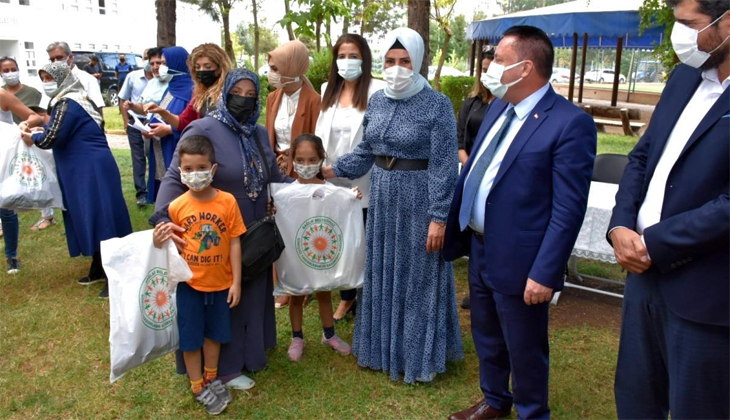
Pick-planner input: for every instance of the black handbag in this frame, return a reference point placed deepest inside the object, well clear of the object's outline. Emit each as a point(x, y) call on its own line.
point(262, 244)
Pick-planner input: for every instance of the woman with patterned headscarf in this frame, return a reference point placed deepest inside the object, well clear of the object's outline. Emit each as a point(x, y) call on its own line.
point(234, 133)
point(293, 108)
point(88, 174)
point(174, 69)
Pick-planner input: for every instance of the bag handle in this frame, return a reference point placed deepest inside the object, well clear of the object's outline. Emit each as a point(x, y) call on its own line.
point(264, 163)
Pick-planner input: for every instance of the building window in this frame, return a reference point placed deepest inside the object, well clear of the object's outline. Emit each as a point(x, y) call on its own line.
point(77, 46)
point(24, 2)
point(102, 7)
point(30, 58)
point(28, 45)
point(116, 48)
point(92, 46)
point(71, 5)
point(5, 1)
point(32, 72)
point(111, 6)
point(104, 47)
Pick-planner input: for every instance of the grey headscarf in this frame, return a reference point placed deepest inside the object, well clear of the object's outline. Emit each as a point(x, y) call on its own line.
point(69, 86)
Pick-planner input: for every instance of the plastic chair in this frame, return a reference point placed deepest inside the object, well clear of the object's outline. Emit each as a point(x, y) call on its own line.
point(609, 167)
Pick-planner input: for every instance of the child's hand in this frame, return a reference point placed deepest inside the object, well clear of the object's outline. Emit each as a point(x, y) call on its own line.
point(234, 295)
point(359, 193)
point(164, 231)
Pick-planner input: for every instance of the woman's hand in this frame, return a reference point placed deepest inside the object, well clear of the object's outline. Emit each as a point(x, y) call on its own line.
point(24, 127)
point(358, 192)
point(435, 239)
point(329, 173)
point(167, 230)
point(152, 108)
point(160, 130)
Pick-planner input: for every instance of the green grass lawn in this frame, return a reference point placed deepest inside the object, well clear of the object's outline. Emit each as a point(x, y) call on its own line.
point(54, 357)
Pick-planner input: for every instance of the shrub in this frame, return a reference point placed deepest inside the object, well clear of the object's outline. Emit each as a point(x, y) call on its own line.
point(319, 68)
point(456, 88)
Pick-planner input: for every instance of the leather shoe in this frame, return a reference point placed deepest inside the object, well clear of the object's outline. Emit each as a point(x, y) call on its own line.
point(481, 411)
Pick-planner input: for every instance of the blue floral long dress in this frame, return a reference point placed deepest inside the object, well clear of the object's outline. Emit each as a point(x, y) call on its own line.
point(407, 320)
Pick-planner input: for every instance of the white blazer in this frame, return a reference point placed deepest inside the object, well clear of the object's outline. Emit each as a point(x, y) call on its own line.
point(324, 129)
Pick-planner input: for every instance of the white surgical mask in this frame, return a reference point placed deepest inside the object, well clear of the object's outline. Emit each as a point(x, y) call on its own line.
point(484, 79)
point(684, 42)
point(147, 66)
point(275, 80)
point(349, 69)
point(166, 74)
point(197, 181)
point(307, 171)
point(398, 78)
point(12, 78)
point(50, 88)
point(492, 79)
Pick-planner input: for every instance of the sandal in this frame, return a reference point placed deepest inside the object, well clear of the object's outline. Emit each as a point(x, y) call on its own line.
point(281, 302)
point(43, 224)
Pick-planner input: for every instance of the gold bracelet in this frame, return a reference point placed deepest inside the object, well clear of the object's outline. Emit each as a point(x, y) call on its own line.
point(440, 224)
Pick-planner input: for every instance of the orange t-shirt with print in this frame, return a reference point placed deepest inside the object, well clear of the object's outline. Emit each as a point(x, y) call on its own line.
point(209, 227)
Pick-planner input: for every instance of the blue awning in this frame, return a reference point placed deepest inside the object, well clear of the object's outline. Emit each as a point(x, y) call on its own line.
point(603, 20)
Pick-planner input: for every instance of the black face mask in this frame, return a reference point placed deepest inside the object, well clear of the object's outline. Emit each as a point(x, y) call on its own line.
point(207, 77)
point(240, 107)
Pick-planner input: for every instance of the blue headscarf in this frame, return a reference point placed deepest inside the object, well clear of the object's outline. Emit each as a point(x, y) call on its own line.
point(253, 178)
point(181, 85)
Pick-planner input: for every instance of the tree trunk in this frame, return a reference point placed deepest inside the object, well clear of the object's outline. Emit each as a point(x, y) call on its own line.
point(418, 20)
point(362, 17)
point(166, 19)
point(255, 36)
point(328, 33)
point(225, 9)
point(345, 25)
point(289, 30)
point(318, 33)
point(442, 59)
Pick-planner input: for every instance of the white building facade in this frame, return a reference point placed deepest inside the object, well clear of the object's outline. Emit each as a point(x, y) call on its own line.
point(27, 27)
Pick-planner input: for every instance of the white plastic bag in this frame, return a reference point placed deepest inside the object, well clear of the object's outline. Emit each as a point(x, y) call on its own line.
point(142, 307)
point(323, 231)
point(28, 177)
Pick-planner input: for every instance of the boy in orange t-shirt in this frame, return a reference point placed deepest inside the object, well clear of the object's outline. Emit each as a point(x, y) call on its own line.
point(213, 226)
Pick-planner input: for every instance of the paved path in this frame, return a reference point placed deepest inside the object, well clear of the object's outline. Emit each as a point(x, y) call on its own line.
point(117, 141)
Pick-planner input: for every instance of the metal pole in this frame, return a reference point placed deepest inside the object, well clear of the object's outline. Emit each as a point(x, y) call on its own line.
point(471, 58)
point(572, 67)
point(583, 68)
point(631, 69)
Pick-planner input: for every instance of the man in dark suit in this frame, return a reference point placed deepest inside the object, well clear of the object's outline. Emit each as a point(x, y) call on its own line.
point(670, 229)
point(517, 210)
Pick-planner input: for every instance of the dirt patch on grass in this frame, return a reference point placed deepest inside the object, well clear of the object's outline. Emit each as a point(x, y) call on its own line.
point(577, 308)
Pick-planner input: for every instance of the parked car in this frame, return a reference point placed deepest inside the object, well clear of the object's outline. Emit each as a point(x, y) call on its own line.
point(445, 71)
point(561, 75)
point(603, 76)
point(108, 61)
point(264, 70)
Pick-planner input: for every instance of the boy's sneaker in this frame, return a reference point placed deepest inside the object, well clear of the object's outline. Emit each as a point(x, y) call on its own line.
point(220, 390)
point(13, 265)
point(337, 344)
point(296, 349)
point(213, 404)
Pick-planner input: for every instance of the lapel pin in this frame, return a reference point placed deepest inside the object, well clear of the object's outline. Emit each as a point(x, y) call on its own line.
point(536, 116)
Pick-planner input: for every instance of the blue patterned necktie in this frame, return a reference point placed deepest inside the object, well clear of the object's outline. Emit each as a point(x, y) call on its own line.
point(474, 179)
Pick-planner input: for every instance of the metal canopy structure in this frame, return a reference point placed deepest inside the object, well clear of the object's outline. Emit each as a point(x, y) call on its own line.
point(603, 24)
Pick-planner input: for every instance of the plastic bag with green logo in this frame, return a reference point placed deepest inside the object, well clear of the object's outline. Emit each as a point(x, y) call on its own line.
point(28, 177)
point(142, 309)
point(322, 227)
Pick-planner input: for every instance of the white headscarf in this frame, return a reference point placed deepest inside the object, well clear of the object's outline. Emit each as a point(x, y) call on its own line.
point(413, 43)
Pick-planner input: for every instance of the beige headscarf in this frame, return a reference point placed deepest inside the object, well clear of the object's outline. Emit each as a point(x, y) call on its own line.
point(292, 60)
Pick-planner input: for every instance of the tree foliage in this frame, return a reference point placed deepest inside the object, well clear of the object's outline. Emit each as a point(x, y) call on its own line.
point(378, 17)
point(219, 11)
point(512, 6)
point(268, 38)
point(442, 10)
point(657, 13)
point(314, 14)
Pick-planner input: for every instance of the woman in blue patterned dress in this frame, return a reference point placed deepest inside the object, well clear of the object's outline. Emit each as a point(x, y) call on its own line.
point(408, 321)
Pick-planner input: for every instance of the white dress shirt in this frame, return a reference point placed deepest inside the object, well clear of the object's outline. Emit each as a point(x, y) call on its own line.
point(91, 85)
point(132, 88)
point(340, 133)
point(703, 99)
point(285, 119)
point(522, 110)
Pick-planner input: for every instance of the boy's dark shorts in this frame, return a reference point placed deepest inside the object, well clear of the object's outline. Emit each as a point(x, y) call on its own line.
point(202, 314)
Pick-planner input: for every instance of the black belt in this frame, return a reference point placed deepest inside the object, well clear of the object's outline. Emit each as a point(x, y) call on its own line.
point(395, 164)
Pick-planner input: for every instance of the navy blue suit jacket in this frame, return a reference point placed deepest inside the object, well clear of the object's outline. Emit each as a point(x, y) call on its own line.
point(689, 246)
point(538, 199)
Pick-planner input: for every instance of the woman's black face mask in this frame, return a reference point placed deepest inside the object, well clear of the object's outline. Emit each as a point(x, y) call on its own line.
point(240, 107)
point(207, 77)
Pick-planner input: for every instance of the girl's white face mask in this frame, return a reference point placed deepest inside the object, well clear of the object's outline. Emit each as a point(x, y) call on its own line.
point(684, 42)
point(307, 171)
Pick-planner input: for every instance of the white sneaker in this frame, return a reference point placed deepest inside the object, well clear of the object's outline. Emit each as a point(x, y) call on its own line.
point(242, 383)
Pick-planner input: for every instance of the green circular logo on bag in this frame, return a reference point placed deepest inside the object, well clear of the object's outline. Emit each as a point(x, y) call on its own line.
point(319, 243)
point(155, 301)
point(28, 170)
